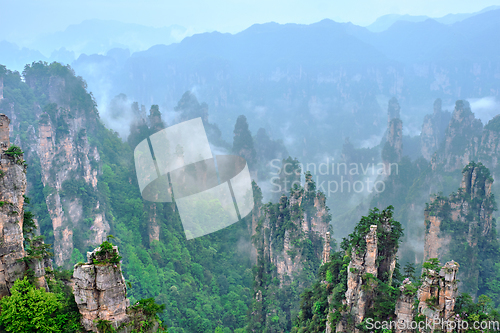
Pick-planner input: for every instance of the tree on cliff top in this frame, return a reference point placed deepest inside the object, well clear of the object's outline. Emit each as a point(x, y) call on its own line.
point(328, 293)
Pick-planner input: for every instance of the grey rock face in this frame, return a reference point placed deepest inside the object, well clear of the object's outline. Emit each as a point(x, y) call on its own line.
point(433, 130)
point(472, 208)
point(100, 291)
point(438, 293)
point(12, 189)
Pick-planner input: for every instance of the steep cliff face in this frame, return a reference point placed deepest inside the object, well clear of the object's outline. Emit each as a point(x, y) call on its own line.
point(433, 130)
point(291, 239)
point(462, 226)
point(243, 144)
point(466, 140)
point(462, 139)
point(358, 299)
point(100, 290)
point(141, 128)
point(489, 150)
point(372, 264)
point(257, 212)
point(65, 159)
point(154, 209)
point(437, 294)
point(393, 110)
point(301, 216)
point(393, 146)
point(361, 289)
point(69, 163)
point(404, 309)
point(12, 189)
point(433, 301)
point(101, 295)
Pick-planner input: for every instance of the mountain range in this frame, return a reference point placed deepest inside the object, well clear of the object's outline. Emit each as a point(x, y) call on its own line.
point(386, 21)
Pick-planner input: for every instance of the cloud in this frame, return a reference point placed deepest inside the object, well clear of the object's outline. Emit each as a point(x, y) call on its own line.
point(372, 141)
point(485, 108)
point(117, 114)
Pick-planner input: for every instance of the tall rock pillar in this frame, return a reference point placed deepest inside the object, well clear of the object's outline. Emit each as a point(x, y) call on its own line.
point(12, 189)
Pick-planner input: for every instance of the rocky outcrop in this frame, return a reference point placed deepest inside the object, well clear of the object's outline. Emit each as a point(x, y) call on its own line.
point(142, 127)
point(290, 242)
point(243, 144)
point(40, 262)
point(489, 150)
point(66, 157)
point(393, 146)
point(12, 189)
point(372, 253)
point(393, 110)
point(360, 286)
point(437, 294)
point(69, 163)
point(365, 266)
point(257, 212)
point(302, 215)
point(434, 299)
point(99, 289)
point(4, 132)
point(327, 248)
point(462, 139)
point(433, 130)
point(404, 307)
point(101, 295)
point(465, 217)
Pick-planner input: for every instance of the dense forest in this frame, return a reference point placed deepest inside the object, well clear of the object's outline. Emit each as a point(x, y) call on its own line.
point(279, 269)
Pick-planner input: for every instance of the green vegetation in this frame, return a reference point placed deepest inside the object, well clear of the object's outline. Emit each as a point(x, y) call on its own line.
point(480, 275)
point(328, 292)
point(493, 124)
point(145, 313)
point(409, 271)
point(278, 303)
point(16, 153)
point(205, 284)
point(481, 311)
point(29, 309)
point(209, 284)
point(106, 254)
point(314, 305)
point(104, 326)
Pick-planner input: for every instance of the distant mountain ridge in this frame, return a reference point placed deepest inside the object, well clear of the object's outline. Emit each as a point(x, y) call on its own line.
point(99, 36)
point(326, 74)
point(385, 22)
point(88, 37)
point(327, 67)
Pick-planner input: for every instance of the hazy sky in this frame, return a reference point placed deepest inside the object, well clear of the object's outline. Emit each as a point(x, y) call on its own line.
point(25, 19)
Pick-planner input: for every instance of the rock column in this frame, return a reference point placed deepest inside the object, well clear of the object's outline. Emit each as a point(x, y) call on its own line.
point(12, 189)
